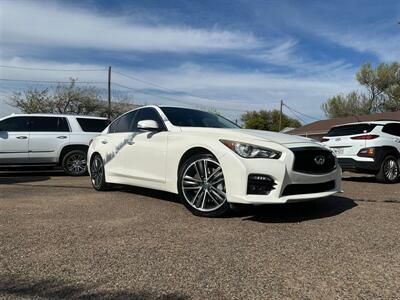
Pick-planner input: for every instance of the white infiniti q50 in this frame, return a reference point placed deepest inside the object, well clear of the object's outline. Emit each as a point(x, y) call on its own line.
point(209, 161)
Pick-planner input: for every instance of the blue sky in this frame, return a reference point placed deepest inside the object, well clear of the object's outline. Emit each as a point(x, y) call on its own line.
point(233, 56)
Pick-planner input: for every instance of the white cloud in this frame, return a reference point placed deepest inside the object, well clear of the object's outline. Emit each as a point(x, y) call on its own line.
point(228, 91)
point(27, 22)
point(370, 40)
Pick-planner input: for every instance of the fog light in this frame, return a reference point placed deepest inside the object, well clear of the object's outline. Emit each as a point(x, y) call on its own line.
point(259, 184)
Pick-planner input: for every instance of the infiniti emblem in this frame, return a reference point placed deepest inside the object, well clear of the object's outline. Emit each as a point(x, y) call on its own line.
point(319, 160)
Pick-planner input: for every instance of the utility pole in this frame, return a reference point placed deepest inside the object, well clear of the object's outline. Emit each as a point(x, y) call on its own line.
point(280, 116)
point(109, 92)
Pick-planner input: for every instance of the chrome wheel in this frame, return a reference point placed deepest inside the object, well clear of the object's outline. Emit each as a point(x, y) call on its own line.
point(76, 163)
point(203, 185)
point(97, 172)
point(391, 170)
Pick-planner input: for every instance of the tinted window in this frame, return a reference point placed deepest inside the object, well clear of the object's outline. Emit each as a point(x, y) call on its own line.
point(149, 114)
point(351, 129)
point(392, 128)
point(48, 124)
point(14, 124)
point(92, 125)
point(196, 118)
point(123, 123)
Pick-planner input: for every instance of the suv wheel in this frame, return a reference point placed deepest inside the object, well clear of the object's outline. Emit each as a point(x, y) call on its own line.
point(201, 186)
point(390, 170)
point(74, 163)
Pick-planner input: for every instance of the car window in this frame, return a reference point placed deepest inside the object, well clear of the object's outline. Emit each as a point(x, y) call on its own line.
point(392, 128)
point(196, 118)
point(351, 129)
point(14, 124)
point(123, 123)
point(48, 124)
point(92, 125)
point(149, 113)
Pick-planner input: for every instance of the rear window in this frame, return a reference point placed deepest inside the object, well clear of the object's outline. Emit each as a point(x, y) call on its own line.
point(351, 129)
point(92, 125)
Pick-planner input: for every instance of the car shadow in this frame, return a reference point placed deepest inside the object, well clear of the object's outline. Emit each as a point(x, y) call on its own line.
point(268, 213)
point(11, 287)
point(170, 197)
point(26, 176)
point(369, 179)
point(296, 212)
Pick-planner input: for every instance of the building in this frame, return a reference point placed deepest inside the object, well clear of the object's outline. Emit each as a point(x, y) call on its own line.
point(318, 129)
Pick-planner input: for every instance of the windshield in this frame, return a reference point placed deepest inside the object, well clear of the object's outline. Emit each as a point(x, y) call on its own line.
point(351, 129)
point(186, 117)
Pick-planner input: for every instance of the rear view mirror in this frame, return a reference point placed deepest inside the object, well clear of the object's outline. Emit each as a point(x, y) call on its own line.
point(150, 125)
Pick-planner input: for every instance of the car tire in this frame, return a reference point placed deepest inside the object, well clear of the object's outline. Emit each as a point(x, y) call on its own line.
point(97, 174)
point(389, 171)
point(203, 193)
point(74, 163)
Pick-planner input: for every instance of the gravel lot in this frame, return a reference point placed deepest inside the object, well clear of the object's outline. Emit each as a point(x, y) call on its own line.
point(61, 239)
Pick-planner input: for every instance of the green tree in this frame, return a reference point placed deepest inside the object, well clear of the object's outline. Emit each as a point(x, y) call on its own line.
point(267, 120)
point(68, 99)
point(382, 92)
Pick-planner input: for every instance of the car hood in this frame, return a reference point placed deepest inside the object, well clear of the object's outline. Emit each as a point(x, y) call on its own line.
point(271, 136)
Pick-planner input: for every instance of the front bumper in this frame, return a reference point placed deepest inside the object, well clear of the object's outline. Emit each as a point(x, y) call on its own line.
point(302, 186)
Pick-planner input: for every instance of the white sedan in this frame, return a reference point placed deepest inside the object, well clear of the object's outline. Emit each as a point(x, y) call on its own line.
point(209, 161)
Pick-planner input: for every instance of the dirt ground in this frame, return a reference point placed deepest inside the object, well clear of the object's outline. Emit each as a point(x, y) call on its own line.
point(61, 239)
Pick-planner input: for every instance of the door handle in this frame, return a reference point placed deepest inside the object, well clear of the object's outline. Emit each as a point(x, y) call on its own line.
point(22, 137)
point(104, 142)
point(131, 143)
point(62, 137)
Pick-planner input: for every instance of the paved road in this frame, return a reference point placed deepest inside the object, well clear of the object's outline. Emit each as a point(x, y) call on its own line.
point(61, 239)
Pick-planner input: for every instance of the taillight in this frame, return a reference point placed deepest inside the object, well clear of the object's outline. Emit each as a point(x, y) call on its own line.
point(365, 137)
point(324, 140)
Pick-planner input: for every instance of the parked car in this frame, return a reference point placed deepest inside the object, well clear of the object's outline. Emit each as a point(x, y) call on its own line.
point(48, 140)
point(209, 161)
point(368, 147)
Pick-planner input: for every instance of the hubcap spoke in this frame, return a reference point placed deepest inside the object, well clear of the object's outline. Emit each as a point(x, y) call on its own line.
point(203, 185)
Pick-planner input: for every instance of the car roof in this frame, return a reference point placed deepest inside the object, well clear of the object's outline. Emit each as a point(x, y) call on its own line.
point(382, 122)
point(56, 115)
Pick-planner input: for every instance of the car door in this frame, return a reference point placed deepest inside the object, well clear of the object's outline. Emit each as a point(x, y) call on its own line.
point(144, 157)
point(119, 136)
point(14, 140)
point(48, 136)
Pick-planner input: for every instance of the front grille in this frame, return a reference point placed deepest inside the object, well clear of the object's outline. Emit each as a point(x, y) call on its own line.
point(299, 189)
point(313, 160)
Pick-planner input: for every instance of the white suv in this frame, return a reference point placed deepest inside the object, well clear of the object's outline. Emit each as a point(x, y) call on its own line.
point(368, 147)
point(48, 140)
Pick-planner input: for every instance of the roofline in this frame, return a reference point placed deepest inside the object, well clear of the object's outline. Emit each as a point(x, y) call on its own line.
point(53, 115)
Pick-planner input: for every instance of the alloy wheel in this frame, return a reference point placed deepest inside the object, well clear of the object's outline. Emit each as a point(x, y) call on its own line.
point(391, 170)
point(97, 172)
point(76, 163)
point(203, 185)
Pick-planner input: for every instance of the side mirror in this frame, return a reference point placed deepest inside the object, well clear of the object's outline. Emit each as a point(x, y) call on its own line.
point(150, 125)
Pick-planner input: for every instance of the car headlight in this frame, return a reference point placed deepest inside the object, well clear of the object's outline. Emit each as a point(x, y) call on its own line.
point(251, 151)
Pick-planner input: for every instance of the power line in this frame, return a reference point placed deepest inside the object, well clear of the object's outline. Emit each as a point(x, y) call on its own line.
point(297, 116)
point(57, 70)
point(174, 99)
point(51, 81)
point(162, 87)
point(303, 114)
